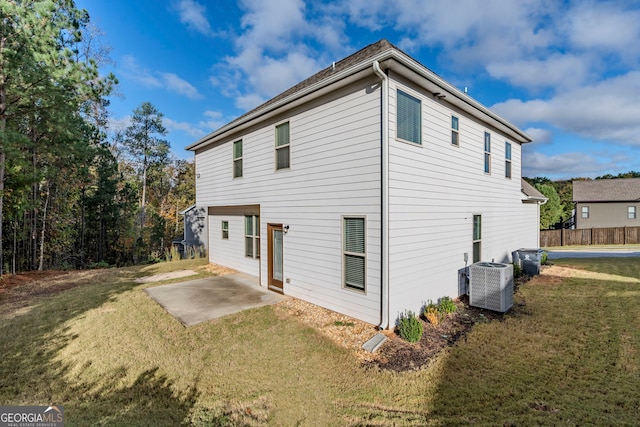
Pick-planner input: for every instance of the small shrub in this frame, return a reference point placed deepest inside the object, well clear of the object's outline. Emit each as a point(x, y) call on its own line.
point(446, 305)
point(410, 327)
point(517, 271)
point(544, 258)
point(433, 315)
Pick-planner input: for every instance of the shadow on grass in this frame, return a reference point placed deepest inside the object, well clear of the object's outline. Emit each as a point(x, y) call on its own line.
point(30, 373)
point(566, 354)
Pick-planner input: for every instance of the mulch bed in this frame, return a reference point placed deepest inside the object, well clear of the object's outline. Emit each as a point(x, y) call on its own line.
point(399, 355)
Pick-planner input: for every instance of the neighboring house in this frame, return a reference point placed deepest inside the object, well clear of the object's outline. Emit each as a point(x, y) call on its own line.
point(365, 188)
point(195, 235)
point(607, 203)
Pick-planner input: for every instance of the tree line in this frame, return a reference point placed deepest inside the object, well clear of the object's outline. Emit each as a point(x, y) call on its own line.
point(73, 195)
point(559, 207)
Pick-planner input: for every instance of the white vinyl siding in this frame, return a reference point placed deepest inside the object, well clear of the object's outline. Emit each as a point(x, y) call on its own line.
point(409, 116)
point(336, 148)
point(230, 252)
point(433, 196)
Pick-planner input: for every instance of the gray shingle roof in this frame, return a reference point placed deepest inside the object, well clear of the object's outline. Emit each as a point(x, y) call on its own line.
point(364, 53)
point(607, 190)
point(383, 50)
point(531, 191)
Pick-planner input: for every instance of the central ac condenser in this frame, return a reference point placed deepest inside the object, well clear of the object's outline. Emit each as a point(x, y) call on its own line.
point(491, 286)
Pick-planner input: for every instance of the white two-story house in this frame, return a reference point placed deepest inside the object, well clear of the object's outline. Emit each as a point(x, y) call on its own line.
point(365, 188)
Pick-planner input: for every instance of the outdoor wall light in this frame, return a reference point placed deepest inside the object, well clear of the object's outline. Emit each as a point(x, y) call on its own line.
point(286, 229)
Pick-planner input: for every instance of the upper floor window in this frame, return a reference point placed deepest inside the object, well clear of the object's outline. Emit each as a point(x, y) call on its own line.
point(455, 137)
point(237, 159)
point(507, 159)
point(408, 118)
point(487, 152)
point(282, 146)
point(585, 212)
point(631, 212)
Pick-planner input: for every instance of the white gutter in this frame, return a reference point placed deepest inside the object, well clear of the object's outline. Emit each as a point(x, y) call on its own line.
point(384, 282)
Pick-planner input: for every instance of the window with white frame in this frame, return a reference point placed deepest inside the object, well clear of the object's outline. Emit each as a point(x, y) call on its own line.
point(585, 212)
point(237, 159)
point(354, 253)
point(283, 145)
point(252, 236)
point(408, 118)
point(477, 238)
point(455, 136)
point(631, 212)
point(487, 152)
point(507, 160)
point(225, 230)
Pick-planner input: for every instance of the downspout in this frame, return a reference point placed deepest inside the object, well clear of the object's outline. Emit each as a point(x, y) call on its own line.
point(384, 220)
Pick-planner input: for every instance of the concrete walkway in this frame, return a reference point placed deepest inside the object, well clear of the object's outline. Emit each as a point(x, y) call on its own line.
point(205, 299)
point(593, 253)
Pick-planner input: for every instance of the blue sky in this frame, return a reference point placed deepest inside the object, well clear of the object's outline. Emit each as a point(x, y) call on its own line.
point(566, 72)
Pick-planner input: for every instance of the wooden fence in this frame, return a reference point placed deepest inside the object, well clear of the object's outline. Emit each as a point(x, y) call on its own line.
point(590, 236)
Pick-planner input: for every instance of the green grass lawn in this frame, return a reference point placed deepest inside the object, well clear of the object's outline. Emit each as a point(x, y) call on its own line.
point(568, 354)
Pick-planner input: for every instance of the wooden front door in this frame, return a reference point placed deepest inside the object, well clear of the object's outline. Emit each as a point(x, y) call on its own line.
point(276, 265)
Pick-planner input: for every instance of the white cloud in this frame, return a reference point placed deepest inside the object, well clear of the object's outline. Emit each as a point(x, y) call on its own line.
point(540, 136)
point(193, 14)
point(566, 165)
point(213, 121)
point(275, 50)
point(554, 71)
point(609, 27)
point(178, 85)
point(185, 127)
point(608, 110)
point(155, 79)
point(133, 70)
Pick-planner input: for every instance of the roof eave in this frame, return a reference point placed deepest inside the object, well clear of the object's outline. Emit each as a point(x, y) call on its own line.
point(434, 83)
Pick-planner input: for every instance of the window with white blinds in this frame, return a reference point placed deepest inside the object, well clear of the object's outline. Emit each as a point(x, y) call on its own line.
point(408, 118)
point(354, 256)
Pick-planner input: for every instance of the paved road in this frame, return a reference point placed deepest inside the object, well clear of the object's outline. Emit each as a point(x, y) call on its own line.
point(595, 253)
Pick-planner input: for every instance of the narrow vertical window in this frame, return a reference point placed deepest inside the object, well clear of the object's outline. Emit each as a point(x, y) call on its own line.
point(354, 257)
point(585, 212)
point(225, 230)
point(631, 212)
point(455, 137)
point(237, 159)
point(252, 236)
point(408, 118)
point(282, 146)
point(477, 237)
point(507, 159)
point(487, 152)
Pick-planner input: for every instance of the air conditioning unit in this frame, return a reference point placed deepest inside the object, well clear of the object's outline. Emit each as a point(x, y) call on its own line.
point(491, 286)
